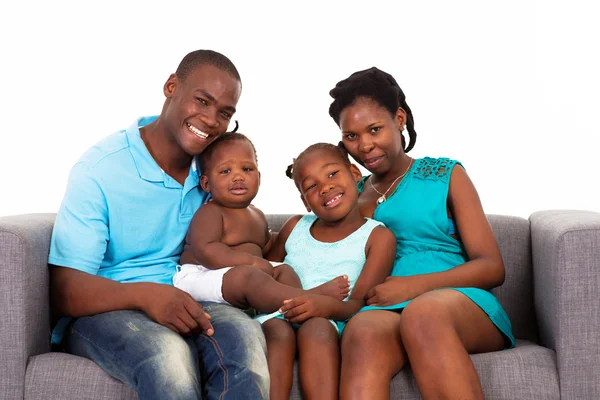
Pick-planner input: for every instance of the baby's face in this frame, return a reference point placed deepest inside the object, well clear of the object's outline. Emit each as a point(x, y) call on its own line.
point(232, 175)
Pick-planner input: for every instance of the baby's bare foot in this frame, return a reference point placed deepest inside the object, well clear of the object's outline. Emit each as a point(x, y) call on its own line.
point(337, 287)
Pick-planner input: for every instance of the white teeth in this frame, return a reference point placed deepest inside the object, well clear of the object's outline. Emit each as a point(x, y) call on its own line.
point(336, 198)
point(197, 131)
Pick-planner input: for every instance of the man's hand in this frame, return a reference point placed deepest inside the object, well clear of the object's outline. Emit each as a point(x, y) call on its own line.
point(300, 309)
point(176, 310)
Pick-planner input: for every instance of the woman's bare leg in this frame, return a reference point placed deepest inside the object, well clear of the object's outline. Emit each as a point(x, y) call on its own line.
point(439, 330)
point(319, 359)
point(372, 353)
point(281, 351)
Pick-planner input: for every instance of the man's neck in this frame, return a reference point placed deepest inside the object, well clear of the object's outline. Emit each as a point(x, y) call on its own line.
point(165, 150)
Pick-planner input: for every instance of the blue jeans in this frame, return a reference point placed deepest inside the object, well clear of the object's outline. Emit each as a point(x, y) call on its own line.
point(160, 364)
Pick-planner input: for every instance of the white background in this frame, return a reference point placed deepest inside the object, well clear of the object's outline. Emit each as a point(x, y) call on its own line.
point(509, 88)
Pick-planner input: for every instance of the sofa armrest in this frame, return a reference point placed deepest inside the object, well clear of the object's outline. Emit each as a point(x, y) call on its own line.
point(566, 275)
point(24, 314)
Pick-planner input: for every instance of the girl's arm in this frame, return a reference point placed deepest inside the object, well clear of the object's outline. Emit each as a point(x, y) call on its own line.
point(380, 252)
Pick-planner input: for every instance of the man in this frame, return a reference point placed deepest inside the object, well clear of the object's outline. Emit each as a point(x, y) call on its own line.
point(118, 237)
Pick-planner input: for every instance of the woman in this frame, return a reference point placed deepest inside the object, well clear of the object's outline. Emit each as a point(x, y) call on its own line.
point(436, 308)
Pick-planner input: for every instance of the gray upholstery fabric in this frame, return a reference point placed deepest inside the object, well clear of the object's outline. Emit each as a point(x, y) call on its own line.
point(276, 221)
point(516, 294)
point(64, 376)
point(24, 314)
point(566, 261)
point(526, 372)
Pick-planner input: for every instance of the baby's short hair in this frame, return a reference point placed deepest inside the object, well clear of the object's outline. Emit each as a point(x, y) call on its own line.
point(204, 157)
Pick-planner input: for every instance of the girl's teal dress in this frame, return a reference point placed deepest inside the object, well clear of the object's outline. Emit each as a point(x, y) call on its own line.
point(417, 214)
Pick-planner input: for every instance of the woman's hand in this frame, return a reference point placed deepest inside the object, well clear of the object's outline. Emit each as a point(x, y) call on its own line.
point(395, 290)
point(302, 308)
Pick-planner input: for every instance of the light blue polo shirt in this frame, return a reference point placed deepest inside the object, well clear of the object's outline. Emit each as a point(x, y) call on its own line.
point(122, 217)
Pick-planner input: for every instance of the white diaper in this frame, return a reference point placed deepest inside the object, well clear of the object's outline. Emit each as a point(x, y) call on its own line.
point(202, 283)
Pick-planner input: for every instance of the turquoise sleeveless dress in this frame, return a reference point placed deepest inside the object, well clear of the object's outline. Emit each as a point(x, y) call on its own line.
point(417, 214)
point(318, 262)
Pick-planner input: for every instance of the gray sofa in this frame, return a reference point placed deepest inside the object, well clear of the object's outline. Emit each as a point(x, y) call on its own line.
point(551, 293)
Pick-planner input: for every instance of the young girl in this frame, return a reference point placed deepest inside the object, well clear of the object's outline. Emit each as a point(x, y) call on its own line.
point(444, 241)
point(334, 240)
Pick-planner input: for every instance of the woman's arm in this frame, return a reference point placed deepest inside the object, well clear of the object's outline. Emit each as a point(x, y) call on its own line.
point(485, 268)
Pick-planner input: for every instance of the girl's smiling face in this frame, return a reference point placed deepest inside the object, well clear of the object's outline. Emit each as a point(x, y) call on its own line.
point(371, 134)
point(327, 184)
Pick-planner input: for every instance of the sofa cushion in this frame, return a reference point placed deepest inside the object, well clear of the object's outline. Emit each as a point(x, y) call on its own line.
point(516, 294)
point(65, 376)
point(526, 372)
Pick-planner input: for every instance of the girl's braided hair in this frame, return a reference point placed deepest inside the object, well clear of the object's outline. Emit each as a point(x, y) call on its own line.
point(379, 86)
point(339, 150)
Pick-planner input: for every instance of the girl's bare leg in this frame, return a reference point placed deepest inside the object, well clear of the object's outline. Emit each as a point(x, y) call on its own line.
point(281, 351)
point(319, 359)
point(439, 330)
point(372, 353)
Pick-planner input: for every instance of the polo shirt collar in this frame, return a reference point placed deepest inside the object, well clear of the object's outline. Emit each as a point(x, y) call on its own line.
point(147, 167)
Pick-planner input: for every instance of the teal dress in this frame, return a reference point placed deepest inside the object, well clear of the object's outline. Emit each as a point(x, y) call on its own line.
point(417, 214)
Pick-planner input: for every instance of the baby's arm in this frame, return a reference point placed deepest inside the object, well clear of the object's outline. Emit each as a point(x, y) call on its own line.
point(205, 237)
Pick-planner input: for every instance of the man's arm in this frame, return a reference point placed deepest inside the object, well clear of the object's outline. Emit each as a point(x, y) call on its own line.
point(79, 240)
point(77, 294)
point(205, 236)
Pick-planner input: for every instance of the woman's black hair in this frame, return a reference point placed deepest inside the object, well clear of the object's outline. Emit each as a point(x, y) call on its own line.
point(338, 150)
point(379, 86)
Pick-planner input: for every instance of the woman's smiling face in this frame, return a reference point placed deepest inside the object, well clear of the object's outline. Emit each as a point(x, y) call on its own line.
point(371, 134)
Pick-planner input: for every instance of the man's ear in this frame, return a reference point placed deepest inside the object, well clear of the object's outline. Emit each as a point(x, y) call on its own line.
point(305, 204)
point(170, 86)
point(356, 174)
point(204, 183)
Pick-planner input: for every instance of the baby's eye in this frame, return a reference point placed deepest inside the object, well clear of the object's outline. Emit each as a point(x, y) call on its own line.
point(225, 171)
point(334, 173)
point(247, 169)
point(202, 101)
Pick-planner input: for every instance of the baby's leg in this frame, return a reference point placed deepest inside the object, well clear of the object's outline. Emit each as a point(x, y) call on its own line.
point(319, 359)
point(285, 274)
point(281, 351)
point(338, 287)
point(246, 286)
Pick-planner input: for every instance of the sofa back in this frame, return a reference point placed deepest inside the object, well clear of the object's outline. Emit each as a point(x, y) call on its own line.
point(516, 294)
